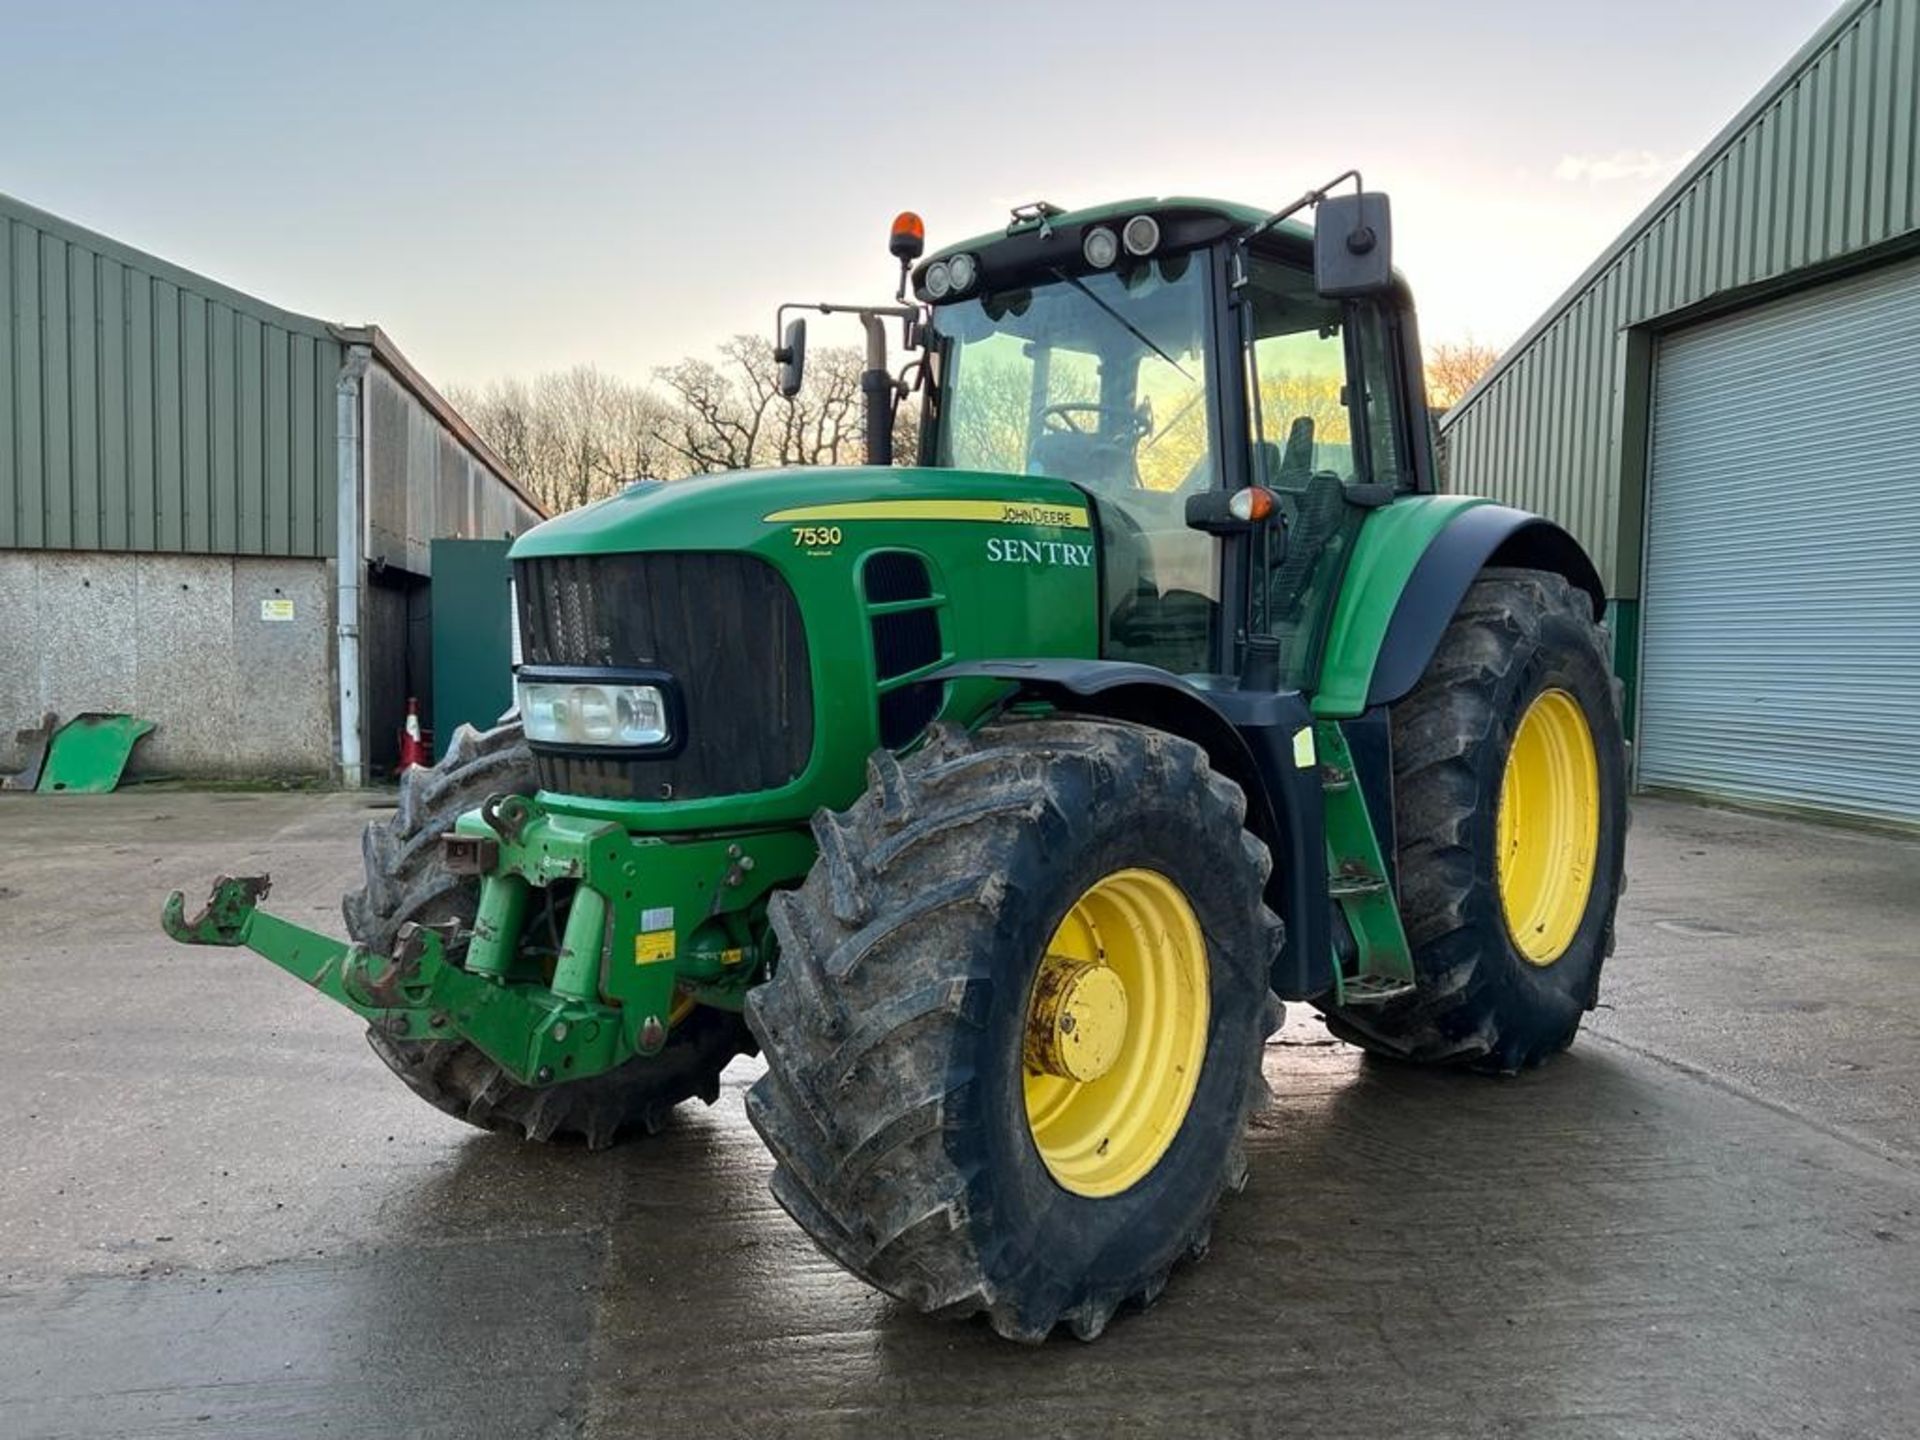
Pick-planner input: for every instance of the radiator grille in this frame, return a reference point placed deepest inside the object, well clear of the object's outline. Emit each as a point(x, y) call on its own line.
point(725, 626)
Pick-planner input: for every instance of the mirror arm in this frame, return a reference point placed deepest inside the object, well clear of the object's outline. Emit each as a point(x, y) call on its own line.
point(1312, 197)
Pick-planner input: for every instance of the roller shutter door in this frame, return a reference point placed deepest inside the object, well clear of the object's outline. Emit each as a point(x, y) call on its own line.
point(1781, 604)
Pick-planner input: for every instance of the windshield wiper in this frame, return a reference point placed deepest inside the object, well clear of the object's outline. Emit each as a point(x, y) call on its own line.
point(1178, 415)
point(1126, 324)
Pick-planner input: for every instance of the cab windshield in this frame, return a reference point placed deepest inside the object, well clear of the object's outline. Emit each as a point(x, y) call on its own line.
point(1102, 380)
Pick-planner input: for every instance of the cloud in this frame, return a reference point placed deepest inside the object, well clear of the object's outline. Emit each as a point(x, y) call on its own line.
point(1620, 165)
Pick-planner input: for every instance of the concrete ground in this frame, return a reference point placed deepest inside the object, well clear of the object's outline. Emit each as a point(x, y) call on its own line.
point(220, 1216)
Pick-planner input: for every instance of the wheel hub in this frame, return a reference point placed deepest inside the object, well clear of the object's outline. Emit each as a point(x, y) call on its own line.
point(1547, 834)
point(1077, 1022)
point(1116, 1032)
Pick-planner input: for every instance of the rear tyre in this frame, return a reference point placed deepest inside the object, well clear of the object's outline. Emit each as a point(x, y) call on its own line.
point(407, 880)
point(1017, 1022)
point(1510, 794)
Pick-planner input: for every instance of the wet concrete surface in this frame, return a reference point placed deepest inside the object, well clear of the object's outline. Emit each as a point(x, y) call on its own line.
point(220, 1216)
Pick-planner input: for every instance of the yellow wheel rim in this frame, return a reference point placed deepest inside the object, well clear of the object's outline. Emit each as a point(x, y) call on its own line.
point(1116, 1032)
point(1548, 831)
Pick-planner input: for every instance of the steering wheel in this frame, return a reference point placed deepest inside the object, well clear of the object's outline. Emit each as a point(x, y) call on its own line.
point(1060, 419)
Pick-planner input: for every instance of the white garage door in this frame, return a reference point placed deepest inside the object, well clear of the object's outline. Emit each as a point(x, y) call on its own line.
point(1781, 605)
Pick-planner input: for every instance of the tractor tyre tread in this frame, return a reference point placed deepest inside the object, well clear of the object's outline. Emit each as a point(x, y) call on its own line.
point(1475, 1004)
point(888, 952)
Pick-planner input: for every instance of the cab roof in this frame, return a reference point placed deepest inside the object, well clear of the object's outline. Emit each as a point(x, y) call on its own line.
point(1040, 237)
point(1234, 216)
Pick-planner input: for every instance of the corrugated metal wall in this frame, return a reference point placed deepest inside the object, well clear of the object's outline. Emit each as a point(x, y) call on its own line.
point(423, 484)
point(143, 408)
point(1825, 163)
point(1780, 661)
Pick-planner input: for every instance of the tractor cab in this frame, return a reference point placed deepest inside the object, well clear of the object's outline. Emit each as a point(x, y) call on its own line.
point(1164, 356)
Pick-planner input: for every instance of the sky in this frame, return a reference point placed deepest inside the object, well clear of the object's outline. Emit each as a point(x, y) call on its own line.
point(513, 188)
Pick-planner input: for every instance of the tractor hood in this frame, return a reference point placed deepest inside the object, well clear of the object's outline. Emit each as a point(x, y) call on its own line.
point(798, 613)
point(744, 509)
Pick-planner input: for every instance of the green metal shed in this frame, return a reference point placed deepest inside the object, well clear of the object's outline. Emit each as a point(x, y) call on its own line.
point(1627, 410)
point(150, 409)
point(217, 513)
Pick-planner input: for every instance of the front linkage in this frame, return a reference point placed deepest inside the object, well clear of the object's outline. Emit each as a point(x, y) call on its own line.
point(651, 926)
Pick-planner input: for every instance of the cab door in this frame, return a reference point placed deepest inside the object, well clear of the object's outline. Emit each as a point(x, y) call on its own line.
point(1324, 413)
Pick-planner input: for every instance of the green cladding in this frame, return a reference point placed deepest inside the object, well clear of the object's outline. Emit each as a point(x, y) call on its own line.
point(145, 408)
point(1823, 165)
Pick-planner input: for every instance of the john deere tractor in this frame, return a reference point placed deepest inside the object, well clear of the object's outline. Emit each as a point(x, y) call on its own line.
point(999, 799)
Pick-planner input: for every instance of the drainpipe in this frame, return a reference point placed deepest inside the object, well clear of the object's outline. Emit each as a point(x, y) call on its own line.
point(349, 563)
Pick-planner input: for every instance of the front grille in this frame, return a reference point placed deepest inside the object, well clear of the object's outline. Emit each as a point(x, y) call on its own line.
point(725, 626)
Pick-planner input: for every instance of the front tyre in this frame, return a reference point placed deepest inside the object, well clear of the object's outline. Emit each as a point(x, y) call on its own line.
point(1511, 804)
point(1017, 1022)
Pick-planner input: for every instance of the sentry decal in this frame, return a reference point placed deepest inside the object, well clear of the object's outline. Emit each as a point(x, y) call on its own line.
point(1040, 552)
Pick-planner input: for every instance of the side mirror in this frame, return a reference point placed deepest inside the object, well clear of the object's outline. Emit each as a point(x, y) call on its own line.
point(792, 357)
point(1353, 246)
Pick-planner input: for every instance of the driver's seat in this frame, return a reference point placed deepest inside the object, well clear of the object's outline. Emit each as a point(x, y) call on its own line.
point(1062, 454)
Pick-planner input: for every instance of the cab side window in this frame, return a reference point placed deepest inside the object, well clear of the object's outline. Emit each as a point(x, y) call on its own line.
point(1321, 377)
point(1386, 459)
point(1299, 365)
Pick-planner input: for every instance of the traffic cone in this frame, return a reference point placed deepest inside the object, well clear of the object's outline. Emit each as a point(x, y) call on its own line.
point(413, 744)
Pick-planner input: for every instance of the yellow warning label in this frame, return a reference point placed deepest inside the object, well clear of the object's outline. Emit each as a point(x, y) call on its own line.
point(1303, 751)
point(733, 956)
point(652, 945)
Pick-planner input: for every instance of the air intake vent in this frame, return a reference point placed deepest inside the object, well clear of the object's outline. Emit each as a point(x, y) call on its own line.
point(906, 640)
point(894, 575)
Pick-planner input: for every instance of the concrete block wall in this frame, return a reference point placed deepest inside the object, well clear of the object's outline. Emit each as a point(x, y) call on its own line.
point(181, 640)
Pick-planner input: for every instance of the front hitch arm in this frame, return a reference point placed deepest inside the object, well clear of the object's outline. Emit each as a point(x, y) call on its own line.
point(230, 917)
point(223, 919)
point(414, 993)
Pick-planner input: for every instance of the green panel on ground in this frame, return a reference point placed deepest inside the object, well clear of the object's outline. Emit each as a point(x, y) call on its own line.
point(472, 636)
point(89, 753)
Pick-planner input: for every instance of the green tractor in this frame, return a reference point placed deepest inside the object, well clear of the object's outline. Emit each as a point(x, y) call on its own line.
point(999, 800)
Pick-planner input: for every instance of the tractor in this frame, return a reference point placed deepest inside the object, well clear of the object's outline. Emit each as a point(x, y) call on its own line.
point(998, 800)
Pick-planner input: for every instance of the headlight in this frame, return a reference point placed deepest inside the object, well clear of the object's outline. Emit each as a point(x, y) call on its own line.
point(1142, 235)
point(960, 272)
point(565, 713)
point(1101, 247)
point(937, 281)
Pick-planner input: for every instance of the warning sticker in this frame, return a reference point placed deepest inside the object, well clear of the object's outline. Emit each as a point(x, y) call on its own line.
point(651, 945)
point(276, 609)
point(1303, 753)
point(658, 918)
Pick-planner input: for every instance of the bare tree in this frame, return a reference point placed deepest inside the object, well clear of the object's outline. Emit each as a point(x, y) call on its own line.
point(575, 436)
point(572, 436)
point(731, 415)
point(1453, 369)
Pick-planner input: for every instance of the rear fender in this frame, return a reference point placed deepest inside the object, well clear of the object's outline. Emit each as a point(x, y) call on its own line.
point(1411, 568)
